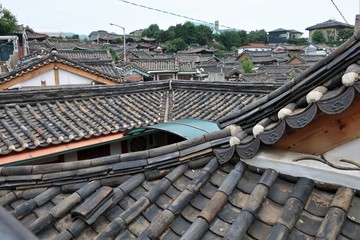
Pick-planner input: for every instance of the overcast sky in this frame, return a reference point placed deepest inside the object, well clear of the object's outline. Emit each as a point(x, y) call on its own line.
point(85, 16)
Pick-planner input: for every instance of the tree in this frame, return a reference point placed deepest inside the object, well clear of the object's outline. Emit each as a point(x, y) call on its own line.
point(119, 40)
point(203, 35)
point(247, 65)
point(152, 31)
point(297, 41)
point(8, 23)
point(318, 37)
point(345, 34)
point(232, 39)
point(172, 46)
point(74, 36)
point(258, 36)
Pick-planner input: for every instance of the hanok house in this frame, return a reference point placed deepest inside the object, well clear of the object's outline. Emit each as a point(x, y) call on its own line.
point(86, 121)
point(167, 68)
point(330, 29)
point(57, 70)
point(254, 47)
point(282, 167)
point(282, 35)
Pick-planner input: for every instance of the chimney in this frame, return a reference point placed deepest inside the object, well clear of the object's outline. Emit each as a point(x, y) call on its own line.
point(357, 23)
point(217, 25)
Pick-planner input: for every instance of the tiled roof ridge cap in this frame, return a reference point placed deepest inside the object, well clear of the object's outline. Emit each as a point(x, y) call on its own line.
point(53, 57)
point(305, 78)
point(63, 59)
point(207, 140)
point(52, 93)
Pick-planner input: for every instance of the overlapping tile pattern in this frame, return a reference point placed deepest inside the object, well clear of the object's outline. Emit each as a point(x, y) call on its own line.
point(37, 62)
point(190, 195)
point(299, 93)
point(33, 118)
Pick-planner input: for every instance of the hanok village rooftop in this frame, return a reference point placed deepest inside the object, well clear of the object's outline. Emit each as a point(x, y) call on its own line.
point(85, 155)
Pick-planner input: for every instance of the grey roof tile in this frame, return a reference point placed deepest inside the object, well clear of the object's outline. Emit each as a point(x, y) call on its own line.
point(180, 225)
point(296, 234)
point(248, 182)
point(308, 223)
point(280, 191)
point(199, 201)
point(269, 212)
point(259, 230)
point(319, 203)
point(228, 213)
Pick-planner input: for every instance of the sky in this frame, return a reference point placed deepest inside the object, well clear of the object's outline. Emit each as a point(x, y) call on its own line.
point(85, 16)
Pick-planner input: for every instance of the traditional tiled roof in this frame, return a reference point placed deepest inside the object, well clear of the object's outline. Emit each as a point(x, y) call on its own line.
point(202, 49)
point(69, 44)
point(187, 190)
point(265, 57)
point(168, 64)
point(212, 186)
point(37, 118)
point(139, 54)
point(312, 58)
point(298, 96)
point(81, 55)
point(256, 77)
point(283, 72)
point(126, 66)
point(196, 58)
point(31, 34)
point(40, 61)
point(329, 24)
point(256, 45)
point(285, 30)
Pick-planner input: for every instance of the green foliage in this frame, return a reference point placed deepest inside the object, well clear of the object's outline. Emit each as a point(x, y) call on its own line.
point(202, 35)
point(247, 65)
point(232, 39)
point(298, 41)
point(318, 37)
point(152, 31)
point(172, 46)
point(8, 23)
point(218, 45)
point(119, 40)
point(75, 36)
point(258, 36)
point(345, 34)
point(112, 52)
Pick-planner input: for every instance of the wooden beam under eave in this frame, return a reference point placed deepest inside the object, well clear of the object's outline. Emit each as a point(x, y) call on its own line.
point(27, 76)
point(85, 74)
point(325, 132)
point(56, 75)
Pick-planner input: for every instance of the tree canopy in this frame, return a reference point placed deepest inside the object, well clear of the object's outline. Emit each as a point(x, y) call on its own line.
point(247, 65)
point(8, 23)
point(318, 37)
point(202, 35)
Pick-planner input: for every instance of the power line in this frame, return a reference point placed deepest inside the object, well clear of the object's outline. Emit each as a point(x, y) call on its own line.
point(174, 14)
point(340, 12)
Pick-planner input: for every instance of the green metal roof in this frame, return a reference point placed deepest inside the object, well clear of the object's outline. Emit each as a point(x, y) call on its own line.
point(186, 128)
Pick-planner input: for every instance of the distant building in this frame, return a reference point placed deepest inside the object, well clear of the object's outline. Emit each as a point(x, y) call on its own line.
point(103, 36)
point(254, 47)
point(330, 28)
point(281, 35)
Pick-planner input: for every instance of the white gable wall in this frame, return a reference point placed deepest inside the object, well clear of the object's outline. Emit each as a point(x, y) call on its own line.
point(348, 151)
point(47, 76)
point(66, 78)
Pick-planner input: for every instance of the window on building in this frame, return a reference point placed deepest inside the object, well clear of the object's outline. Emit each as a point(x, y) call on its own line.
point(166, 76)
point(95, 152)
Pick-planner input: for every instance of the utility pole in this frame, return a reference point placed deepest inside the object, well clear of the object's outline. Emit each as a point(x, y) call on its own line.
point(113, 24)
